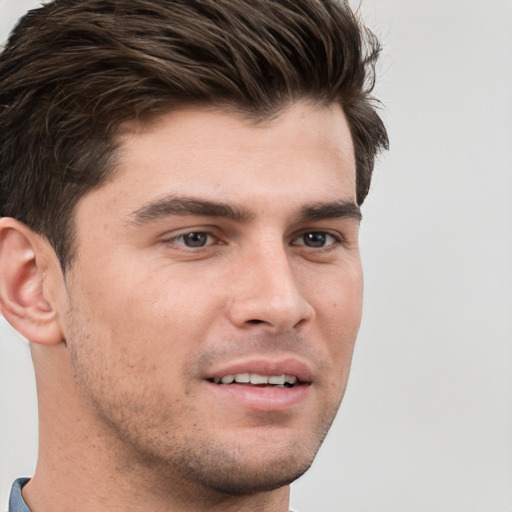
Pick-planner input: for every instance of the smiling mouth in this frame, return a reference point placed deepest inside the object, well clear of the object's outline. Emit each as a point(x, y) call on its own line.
point(256, 379)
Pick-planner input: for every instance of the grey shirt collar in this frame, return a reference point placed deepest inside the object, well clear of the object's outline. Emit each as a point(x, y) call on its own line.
point(16, 502)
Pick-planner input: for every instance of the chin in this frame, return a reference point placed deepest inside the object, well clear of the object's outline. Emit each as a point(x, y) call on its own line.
point(236, 479)
point(234, 469)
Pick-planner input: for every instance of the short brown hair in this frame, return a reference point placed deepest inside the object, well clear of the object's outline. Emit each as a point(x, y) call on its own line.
point(73, 71)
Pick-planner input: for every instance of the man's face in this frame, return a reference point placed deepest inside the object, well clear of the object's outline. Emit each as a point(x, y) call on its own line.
point(220, 250)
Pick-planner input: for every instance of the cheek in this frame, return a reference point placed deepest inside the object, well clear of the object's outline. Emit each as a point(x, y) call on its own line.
point(338, 298)
point(338, 312)
point(152, 324)
point(145, 297)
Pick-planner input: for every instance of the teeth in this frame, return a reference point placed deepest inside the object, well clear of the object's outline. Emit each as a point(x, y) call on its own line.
point(290, 379)
point(277, 379)
point(256, 378)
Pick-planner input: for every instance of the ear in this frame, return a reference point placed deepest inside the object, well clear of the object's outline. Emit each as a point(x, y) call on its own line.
point(25, 267)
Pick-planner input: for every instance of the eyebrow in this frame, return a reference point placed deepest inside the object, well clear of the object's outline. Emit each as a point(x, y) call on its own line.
point(183, 206)
point(169, 206)
point(341, 209)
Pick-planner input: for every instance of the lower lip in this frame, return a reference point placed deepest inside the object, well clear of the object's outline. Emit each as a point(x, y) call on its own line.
point(262, 399)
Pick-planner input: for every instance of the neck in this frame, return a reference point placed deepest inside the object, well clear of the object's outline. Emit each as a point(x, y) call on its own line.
point(84, 466)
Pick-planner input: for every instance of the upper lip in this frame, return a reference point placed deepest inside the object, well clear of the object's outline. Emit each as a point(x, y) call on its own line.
point(264, 366)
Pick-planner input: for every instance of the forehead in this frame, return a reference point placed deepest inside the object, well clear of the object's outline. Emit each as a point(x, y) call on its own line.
point(210, 147)
point(302, 156)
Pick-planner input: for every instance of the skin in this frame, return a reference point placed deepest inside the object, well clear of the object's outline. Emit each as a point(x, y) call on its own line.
point(129, 419)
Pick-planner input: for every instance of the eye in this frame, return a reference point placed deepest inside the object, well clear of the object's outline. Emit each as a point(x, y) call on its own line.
point(194, 239)
point(316, 239)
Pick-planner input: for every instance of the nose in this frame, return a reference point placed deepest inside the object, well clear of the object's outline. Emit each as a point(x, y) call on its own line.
point(266, 294)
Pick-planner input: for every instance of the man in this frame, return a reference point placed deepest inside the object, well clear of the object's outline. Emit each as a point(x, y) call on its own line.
point(180, 193)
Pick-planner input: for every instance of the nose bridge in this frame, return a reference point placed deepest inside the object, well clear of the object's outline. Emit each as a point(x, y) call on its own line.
point(268, 293)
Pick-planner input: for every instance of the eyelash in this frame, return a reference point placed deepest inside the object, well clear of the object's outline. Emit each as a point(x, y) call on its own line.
point(189, 233)
point(335, 239)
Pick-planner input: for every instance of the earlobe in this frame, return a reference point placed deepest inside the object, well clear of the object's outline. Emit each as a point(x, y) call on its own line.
point(23, 298)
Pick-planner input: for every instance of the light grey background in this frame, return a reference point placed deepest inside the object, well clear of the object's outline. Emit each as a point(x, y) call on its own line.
point(426, 425)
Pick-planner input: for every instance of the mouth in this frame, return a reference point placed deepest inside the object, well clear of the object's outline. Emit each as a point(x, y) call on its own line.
point(262, 385)
point(258, 380)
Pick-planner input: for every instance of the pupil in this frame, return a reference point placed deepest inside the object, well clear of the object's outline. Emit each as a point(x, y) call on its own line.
point(195, 239)
point(315, 239)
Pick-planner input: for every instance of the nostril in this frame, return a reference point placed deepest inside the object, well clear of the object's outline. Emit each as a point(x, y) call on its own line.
point(255, 321)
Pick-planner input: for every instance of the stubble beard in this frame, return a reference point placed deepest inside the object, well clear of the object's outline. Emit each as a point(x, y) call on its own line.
point(202, 468)
point(192, 461)
point(197, 464)
point(174, 457)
